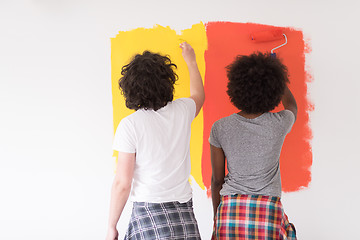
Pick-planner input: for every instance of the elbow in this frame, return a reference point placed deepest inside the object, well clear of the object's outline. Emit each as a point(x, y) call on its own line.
point(202, 99)
point(217, 182)
point(121, 186)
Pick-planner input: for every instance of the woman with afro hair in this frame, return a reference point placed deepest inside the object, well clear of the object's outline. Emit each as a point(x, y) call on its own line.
point(154, 150)
point(246, 202)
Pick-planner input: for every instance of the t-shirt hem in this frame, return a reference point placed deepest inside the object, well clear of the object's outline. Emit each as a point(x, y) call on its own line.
point(124, 150)
point(161, 200)
point(213, 144)
point(248, 193)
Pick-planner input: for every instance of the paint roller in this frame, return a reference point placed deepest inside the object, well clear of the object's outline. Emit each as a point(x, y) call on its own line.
point(268, 36)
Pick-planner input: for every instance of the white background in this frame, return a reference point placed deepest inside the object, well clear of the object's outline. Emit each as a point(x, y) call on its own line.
point(56, 164)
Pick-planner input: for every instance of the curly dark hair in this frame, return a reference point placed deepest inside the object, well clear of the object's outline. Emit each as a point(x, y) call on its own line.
point(256, 82)
point(148, 81)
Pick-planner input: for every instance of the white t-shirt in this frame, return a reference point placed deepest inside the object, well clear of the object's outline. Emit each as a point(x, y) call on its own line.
point(161, 141)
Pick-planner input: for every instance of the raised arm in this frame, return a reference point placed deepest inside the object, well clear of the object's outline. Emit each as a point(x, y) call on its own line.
point(197, 92)
point(120, 191)
point(289, 101)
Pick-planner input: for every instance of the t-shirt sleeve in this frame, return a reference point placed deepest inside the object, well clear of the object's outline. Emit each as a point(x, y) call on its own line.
point(124, 140)
point(288, 119)
point(213, 139)
point(190, 107)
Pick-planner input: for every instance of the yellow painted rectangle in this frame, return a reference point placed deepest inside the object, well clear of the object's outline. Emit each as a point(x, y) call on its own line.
point(165, 41)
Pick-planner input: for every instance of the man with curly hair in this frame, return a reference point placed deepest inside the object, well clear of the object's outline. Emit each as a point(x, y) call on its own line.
point(154, 149)
point(246, 202)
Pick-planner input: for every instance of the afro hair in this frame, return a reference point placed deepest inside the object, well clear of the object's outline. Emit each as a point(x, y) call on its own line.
point(256, 82)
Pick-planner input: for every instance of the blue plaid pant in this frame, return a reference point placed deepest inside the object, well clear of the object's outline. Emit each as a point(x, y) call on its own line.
point(170, 220)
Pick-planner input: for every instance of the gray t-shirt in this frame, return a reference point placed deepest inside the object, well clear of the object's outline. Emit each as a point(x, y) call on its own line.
point(252, 149)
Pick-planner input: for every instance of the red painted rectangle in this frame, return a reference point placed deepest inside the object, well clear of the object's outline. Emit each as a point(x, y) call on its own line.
point(225, 41)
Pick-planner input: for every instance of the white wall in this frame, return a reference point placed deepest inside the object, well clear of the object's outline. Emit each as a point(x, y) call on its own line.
point(56, 164)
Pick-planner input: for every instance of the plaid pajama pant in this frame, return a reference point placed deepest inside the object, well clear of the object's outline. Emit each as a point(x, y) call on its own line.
point(170, 220)
point(252, 217)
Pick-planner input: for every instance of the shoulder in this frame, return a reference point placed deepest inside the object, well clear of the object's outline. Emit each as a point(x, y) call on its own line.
point(284, 120)
point(125, 123)
point(184, 101)
point(219, 129)
point(224, 122)
point(283, 116)
point(185, 104)
point(132, 119)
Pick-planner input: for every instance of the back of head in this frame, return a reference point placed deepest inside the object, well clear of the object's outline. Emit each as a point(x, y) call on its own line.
point(256, 82)
point(148, 81)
